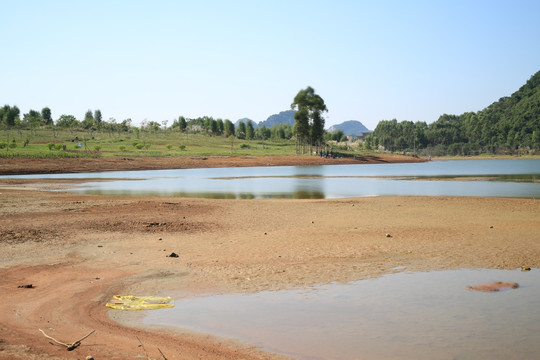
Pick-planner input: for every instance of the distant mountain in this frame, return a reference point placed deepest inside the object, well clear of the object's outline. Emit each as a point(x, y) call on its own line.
point(350, 128)
point(244, 120)
point(284, 117)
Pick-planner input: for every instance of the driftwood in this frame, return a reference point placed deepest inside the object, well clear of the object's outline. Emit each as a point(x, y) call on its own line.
point(71, 346)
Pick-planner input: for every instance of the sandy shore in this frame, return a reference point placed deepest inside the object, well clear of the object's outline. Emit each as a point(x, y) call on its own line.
point(79, 250)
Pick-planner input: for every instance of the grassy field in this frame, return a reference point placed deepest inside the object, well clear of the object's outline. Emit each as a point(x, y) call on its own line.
point(46, 143)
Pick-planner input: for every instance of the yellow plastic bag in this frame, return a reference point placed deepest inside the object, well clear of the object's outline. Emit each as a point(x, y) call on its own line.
point(130, 302)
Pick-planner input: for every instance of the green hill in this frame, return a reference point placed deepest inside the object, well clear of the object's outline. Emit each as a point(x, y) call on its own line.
point(510, 125)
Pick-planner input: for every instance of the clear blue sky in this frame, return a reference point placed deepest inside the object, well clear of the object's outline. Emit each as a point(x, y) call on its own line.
point(369, 60)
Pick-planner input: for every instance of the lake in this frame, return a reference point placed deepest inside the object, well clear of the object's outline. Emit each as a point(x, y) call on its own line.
point(518, 178)
point(429, 315)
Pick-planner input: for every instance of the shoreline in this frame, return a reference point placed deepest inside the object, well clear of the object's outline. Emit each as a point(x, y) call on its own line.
point(78, 250)
point(26, 166)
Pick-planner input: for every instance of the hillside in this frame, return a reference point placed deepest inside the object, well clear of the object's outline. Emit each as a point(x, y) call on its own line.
point(284, 117)
point(508, 126)
point(350, 128)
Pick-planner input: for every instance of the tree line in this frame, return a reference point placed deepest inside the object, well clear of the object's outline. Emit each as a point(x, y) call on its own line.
point(308, 128)
point(510, 125)
point(10, 118)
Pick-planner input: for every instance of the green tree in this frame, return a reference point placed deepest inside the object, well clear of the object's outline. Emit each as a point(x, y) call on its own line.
point(10, 115)
point(88, 121)
point(66, 121)
point(32, 119)
point(309, 122)
point(46, 116)
point(250, 131)
point(97, 116)
point(228, 128)
point(241, 132)
point(183, 123)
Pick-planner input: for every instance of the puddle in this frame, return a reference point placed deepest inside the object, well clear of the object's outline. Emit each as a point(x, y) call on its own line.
point(398, 316)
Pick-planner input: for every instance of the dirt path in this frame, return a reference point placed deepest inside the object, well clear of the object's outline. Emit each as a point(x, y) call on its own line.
point(79, 250)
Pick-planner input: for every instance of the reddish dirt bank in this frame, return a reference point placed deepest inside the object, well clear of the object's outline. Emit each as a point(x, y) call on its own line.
point(17, 166)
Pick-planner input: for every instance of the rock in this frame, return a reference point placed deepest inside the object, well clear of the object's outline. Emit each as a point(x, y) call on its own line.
point(29, 286)
point(174, 255)
point(525, 268)
point(388, 235)
point(496, 286)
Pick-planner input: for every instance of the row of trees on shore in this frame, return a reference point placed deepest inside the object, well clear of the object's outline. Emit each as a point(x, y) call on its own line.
point(10, 118)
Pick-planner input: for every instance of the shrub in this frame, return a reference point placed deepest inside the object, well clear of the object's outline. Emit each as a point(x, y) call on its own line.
point(182, 147)
point(139, 146)
point(3, 144)
point(169, 146)
point(13, 144)
point(122, 148)
point(244, 146)
point(51, 146)
point(97, 147)
point(58, 147)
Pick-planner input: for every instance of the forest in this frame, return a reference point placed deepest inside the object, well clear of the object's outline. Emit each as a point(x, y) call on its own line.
point(510, 125)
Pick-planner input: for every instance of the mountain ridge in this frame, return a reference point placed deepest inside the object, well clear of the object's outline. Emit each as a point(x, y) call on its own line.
point(349, 127)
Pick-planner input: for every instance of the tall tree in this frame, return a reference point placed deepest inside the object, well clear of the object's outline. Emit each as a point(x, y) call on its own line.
point(241, 132)
point(11, 114)
point(309, 122)
point(88, 121)
point(250, 131)
point(228, 128)
point(46, 116)
point(183, 123)
point(97, 116)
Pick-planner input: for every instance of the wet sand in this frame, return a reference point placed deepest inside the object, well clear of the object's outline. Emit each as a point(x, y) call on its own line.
point(78, 250)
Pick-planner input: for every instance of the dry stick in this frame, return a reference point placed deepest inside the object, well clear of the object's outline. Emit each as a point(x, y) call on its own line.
point(71, 346)
point(164, 358)
point(143, 347)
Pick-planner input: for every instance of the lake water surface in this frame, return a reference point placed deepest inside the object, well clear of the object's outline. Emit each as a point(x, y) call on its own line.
point(499, 178)
point(398, 316)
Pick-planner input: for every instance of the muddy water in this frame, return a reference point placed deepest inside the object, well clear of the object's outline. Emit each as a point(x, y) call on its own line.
point(398, 316)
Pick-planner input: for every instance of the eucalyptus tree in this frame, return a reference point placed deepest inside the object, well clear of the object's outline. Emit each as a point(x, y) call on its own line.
point(250, 131)
point(241, 132)
point(228, 128)
point(97, 116)
point(309, 121)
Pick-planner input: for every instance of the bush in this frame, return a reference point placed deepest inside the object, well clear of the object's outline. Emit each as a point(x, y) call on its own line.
point(97, 147)
point(138, 146)
point(244, 146)
point(182, 147)
point(58, 147)
point(3, 144)
point(169, 146)
point(13, 144)
point(51, 146)
point(122, 148)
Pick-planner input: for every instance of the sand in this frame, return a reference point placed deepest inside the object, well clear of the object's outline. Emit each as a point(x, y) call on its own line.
point(78, 250)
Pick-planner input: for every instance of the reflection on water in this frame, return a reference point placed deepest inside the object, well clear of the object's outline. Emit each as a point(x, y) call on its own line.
point(500, 178)
point(398, 316)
